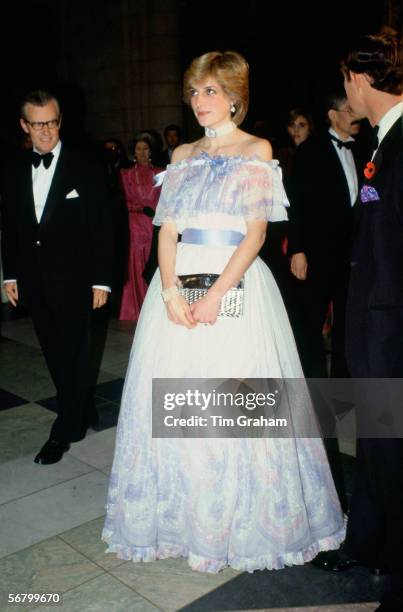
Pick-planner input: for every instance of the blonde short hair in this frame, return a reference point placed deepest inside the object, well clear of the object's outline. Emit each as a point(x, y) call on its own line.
point(230, 70)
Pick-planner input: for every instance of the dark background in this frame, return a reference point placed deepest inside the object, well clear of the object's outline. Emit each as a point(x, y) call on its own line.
point(293, 49)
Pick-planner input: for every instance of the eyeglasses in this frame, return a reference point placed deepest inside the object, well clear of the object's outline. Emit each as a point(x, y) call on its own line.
point(344, 110)
point(39, 125)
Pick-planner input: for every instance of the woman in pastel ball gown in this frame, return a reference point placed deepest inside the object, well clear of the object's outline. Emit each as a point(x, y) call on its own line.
point(141, 198)
point(246, 503)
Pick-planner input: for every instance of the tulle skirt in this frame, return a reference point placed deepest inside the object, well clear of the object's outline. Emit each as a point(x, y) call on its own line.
point(246, 503)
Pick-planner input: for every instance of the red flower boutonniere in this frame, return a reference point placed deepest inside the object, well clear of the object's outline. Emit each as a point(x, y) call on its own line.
point(369, 170)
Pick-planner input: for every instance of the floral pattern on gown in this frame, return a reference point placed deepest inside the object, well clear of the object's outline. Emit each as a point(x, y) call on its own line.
point(139, 190)
point(246, 503)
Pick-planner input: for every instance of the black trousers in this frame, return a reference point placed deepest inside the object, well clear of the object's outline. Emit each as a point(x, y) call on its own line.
point(323, 286)
point(375, 525)
point(64, 338)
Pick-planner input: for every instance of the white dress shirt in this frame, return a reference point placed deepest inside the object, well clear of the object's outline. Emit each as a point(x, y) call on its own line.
point(41, 181)
point(347, 161)
point(387, 121)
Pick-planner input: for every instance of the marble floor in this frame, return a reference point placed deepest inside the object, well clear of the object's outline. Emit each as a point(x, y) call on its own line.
point(51, 516)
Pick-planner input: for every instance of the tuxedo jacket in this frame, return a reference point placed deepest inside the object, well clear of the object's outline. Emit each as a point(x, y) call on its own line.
point(70, 249)
point(375, 302)
point(321, 215)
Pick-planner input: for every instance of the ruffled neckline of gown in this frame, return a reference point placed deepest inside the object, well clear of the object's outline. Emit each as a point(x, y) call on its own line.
point(204, 156)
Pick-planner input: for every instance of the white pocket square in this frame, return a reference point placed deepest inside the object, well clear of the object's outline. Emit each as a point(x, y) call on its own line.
point(72, 194)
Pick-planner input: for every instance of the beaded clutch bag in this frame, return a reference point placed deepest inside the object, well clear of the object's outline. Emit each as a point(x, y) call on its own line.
point(195, 286)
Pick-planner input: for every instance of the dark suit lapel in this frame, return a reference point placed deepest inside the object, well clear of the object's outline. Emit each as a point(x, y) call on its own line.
point(56, 188)
point(341, 180)
point(27, 190)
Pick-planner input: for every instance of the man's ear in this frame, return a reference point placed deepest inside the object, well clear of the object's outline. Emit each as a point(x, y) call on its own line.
point(24, 125)
point(331, 113)
point(361, 80)
point(368, 78)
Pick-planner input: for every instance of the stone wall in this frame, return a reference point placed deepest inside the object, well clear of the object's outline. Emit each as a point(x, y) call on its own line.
point(124, 57)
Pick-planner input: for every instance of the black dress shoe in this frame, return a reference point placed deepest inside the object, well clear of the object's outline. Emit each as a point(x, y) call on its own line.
point(339, 561)
point(333, 561)
point(51, 452)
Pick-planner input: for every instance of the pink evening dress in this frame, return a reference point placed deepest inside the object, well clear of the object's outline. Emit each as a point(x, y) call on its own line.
point(139, 190)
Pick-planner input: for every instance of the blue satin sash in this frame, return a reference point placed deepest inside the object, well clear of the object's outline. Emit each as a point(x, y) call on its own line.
point(212, 237)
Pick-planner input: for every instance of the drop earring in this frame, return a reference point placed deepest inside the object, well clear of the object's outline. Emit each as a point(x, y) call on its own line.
point(232, 108)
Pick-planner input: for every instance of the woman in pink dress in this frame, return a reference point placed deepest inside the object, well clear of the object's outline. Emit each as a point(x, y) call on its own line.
point(141, 198)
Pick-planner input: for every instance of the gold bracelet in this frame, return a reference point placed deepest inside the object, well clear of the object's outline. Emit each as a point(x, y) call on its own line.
point(168, 294)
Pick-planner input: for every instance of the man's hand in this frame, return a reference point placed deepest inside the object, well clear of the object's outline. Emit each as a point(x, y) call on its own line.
point(299, 266)
point(11, 290)
point(100, 298)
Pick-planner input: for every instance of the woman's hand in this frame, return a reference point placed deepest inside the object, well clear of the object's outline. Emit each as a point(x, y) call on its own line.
point(206, 309)
point(179, 312)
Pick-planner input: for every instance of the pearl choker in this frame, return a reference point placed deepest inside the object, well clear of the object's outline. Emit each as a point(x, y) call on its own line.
point(220, 131)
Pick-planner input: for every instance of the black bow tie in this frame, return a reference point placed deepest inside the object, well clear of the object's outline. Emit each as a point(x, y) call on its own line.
point(36, 159)
point(342, 143)
point(374, 137)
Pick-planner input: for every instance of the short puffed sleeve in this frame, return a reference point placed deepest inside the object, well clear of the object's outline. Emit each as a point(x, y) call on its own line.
point(168, 204)
point(263, 193)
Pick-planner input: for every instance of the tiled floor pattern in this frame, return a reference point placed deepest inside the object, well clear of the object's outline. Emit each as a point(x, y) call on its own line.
point(51, 517)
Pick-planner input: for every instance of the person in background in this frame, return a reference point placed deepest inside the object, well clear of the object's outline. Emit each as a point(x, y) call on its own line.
point(300, 125)
point(323, 190)
point(172, 137)
point(274, 252)
point(141, 199)
point(115, 156)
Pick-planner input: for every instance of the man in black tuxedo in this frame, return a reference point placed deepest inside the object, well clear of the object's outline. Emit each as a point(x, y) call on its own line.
point(323, 190)
point(373, 79)
point(57, 257)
